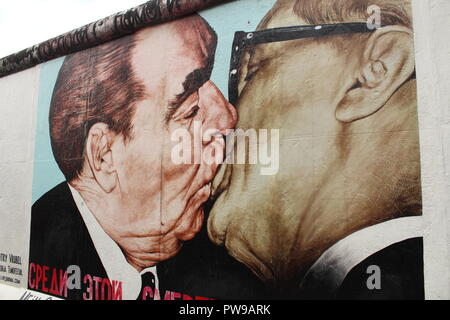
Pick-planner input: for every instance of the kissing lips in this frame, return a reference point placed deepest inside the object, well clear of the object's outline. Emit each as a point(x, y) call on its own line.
point(205, 190)
point(191, 220)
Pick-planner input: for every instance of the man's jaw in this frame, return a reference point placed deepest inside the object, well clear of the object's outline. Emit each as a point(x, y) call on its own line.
point(142, 259)
point(201, 181)
point(148, 251)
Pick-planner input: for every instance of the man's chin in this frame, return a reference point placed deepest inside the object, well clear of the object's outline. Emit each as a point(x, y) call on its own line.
point(239, 249)
point(186, 234)
point(218, 220)
point(232, 236)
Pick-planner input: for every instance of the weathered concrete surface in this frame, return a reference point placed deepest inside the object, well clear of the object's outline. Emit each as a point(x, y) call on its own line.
point(109, 28)
point(18, 94)
point(18, 105)
point(433, 72)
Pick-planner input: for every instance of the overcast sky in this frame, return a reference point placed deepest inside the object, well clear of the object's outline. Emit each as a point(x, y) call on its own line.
point(24, 23)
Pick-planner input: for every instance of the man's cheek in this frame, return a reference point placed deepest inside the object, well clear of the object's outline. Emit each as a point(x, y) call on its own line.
point(140, 167)
point(181, 212)
point(179, 174)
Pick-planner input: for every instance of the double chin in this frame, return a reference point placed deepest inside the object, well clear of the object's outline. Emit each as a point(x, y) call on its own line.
point(241, 221)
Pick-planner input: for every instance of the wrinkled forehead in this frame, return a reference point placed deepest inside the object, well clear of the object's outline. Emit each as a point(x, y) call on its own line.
point(173, 48)
point(252, 56)
point(284, 17)
point(281, 15)
point(194, 34)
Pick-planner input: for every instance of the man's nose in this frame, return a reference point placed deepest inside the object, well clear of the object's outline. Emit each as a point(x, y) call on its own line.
point(219, 114)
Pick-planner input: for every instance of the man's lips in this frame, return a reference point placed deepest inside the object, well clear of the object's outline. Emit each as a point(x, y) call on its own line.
point(199, 197)
point(191, 220)
point(205, 190)
point(204, 186)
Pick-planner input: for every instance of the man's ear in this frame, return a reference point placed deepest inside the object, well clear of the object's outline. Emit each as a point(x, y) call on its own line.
point(387, 63)
point(99, 156)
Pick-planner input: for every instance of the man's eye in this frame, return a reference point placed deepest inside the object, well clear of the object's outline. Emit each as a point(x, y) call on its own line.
point(252, 71)
point(192, 113)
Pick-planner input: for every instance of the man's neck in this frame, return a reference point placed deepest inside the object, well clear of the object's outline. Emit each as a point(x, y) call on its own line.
point(128, 222)
point(99, 204)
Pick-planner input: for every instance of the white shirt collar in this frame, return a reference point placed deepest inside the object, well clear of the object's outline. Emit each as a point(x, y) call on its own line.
point(116, 266)
point(336, 262)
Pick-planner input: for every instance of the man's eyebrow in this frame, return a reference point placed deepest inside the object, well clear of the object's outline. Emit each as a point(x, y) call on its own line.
point(194, 81)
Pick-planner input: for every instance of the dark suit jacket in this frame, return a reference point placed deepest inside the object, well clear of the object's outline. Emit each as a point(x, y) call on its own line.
point(401, 277)
point(59, 239)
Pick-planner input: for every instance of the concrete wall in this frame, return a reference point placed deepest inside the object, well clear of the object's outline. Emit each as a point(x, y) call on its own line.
point(433, 73)
point(18, 94)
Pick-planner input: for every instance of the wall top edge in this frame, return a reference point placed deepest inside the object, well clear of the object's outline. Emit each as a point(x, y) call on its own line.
point(101, 31)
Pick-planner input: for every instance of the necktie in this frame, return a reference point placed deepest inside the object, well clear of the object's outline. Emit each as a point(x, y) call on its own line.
point(148, 287)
